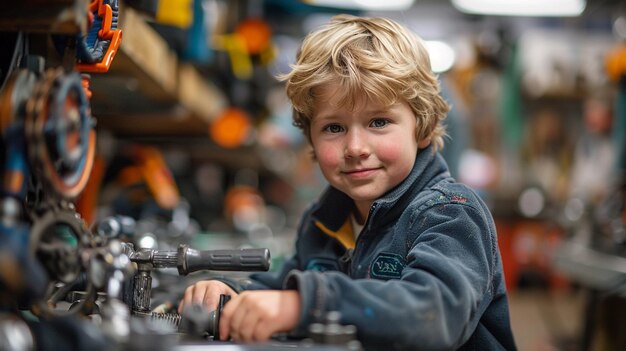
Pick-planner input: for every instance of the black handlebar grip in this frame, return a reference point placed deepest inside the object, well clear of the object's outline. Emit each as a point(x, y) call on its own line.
point(251, 260)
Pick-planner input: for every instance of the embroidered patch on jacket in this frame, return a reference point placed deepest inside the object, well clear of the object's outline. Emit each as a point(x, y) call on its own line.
point(387, 266)
point(322, 264)
point(458, 198)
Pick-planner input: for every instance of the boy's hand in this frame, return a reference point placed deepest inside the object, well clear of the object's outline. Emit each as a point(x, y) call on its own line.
point(207, 293)
point(256, 315)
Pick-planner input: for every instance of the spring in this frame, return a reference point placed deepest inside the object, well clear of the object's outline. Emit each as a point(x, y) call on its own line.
point(172, 319)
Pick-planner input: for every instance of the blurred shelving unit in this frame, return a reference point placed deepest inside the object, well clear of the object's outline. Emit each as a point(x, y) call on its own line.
point(148, 91)
point(148, 96)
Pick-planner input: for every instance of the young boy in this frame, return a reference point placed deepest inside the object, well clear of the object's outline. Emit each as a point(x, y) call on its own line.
point(394, 244)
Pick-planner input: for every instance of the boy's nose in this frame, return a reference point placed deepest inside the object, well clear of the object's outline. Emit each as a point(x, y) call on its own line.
point(356, 145)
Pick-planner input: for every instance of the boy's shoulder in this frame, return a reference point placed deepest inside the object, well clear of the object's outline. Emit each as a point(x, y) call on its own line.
point(448, 191)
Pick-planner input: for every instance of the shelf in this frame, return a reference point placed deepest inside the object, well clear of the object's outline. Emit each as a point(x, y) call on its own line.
point(168, 123)
point(148, 91)
point(193, 92)
point(200, 149)
point(146, 57)
point(59, 16)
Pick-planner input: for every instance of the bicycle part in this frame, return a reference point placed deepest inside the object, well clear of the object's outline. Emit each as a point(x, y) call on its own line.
point(58, 236)
point(188, 260)
point(249, 260)
point(59, 132)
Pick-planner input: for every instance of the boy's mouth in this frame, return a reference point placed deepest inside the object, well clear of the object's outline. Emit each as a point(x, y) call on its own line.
point(361, 172)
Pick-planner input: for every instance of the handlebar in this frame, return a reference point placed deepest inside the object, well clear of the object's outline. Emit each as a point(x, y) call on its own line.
point(189, 260)
point(250, 260)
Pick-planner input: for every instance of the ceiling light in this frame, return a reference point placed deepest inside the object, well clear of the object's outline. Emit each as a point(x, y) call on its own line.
point(540, 8)
point(372, 5)
point(441, 55)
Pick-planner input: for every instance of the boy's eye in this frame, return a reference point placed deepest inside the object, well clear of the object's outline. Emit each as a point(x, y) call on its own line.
point(333, 128)
point(379, 123)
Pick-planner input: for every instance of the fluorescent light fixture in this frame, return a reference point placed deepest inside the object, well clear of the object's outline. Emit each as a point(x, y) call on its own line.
point(371, 5)
point(441, 55)
point(531, 8)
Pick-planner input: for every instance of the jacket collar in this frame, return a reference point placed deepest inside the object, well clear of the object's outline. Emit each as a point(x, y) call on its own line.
point(331, 215)
point(429, 168)
point(332, 212)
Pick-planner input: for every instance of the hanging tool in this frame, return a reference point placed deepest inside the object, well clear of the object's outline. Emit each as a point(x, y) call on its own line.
point(96, 50)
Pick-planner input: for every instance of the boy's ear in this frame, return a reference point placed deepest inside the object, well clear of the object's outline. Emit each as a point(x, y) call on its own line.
point(421, 144)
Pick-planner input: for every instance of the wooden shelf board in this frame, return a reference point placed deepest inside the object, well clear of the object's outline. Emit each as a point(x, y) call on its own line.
point(144, 55)
point(59, 16)
point(202, 98)
point(164, 124)
point(146, 82)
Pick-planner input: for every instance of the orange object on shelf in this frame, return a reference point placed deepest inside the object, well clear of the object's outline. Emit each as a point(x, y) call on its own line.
point(231, 128)
point(150, 167)
point(158, 177)
point(256, 34)
point(105, 33)
point(616, 62)
point(241, 196)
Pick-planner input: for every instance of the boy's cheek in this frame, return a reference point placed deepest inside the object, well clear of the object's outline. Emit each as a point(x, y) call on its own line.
point(392, 151)
point(328, 156)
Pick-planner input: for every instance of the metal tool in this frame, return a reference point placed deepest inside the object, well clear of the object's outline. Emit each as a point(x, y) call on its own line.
point(198, 322)
point(188, 260)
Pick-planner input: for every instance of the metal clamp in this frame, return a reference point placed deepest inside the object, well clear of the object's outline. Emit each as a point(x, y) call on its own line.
point(95, 52)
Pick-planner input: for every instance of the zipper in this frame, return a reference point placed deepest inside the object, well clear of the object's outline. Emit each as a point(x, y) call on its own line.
point(364, 232)
point(346, 261)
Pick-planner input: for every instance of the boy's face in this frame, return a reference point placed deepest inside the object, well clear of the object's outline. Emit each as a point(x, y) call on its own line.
point(366, 151)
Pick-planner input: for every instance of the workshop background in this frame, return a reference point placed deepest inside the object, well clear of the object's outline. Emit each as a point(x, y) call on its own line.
point(185, 136)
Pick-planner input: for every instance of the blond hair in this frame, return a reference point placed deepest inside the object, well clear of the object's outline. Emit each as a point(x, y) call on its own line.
point(372, 58)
